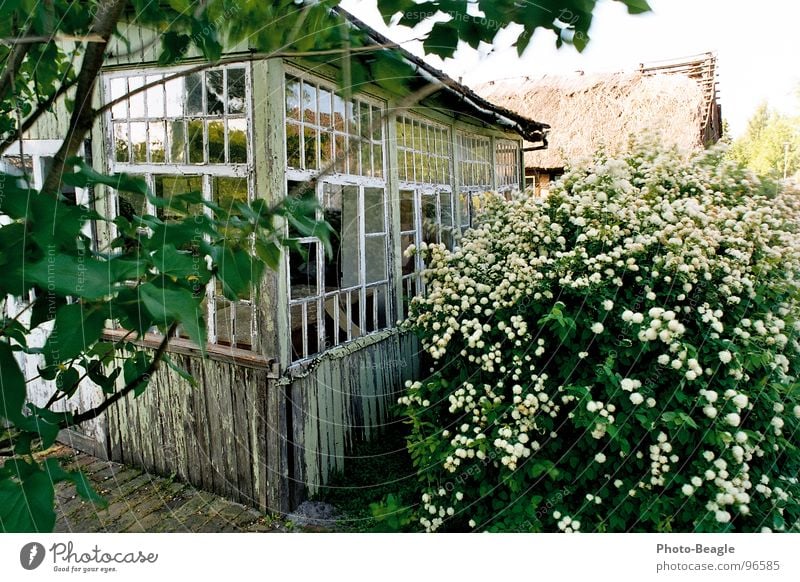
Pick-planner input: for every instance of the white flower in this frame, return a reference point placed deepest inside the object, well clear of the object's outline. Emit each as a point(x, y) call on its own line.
point(637, 318)
point(687, 490)
point(591, 406)
point(796, 411)
point(722, 516)
point(733, 419)
point(597, 327)
point(627, 315)
point(583, 355)
point(663, 359)
point(696, 481)
point(600, 458)
point(608, 305)
point(472, 523)
point(691, 375)
point(740, 401)
point(725, 356)
point(777, 422)
point(636, 398)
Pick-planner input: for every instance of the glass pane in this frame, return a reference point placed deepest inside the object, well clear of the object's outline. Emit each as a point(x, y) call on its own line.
point(215, 97)
point(299, 347)
point(222, 321)
point(366, 158)
point(118, 88)
point(374, 210)
point(177, 142)
point(309, 103)
point(377, 124)
point(155, 97)
point(292, 98)
point(429, 219)
point(157, 137)
point(406, 210)
point(194, 94)
point(326, 148)
point(139, 142)
point(375, 251)
point(339, 153)
point(227, 191)
point(377, 160)
point(216, 142)
point(169, 186)
point(196, 149)
point(130, 204)
point(303, 271)
point(243, 324)
point(400, 128)
point(136, 102)
point(340, 205)
point(352, 118)
point(236, 90)
point(446, 211)
point(175, 97)
point(310, 148)
point(464, 203)
point(353, 166)
point(237, 141)
point(292, 145)
point(325, 109)
point(121, 147)
point(365, 120)
point(338, 113)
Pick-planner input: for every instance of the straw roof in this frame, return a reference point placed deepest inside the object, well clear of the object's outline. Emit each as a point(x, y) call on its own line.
point(589, 111)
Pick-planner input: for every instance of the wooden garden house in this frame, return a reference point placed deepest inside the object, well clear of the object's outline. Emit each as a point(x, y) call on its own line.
point(313, 364)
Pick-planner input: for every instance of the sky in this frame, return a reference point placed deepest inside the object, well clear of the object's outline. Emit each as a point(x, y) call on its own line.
point(755, 41)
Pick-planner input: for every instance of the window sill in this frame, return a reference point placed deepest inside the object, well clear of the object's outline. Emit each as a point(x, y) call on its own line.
point(186, 347)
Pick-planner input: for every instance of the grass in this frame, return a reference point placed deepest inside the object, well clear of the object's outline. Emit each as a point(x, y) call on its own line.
point(373, 471)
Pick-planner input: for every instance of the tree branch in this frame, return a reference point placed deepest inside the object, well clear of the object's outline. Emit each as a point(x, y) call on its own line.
point(129, 387)
point(82, 119)
point(15, 58)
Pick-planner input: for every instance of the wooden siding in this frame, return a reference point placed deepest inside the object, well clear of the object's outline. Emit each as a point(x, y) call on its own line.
point(225, 435)
point(345, 395)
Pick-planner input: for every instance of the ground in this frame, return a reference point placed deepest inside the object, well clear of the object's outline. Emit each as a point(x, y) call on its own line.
point(140, 502)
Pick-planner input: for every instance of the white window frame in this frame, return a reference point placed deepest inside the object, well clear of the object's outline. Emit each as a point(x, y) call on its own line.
point(293, 174)
point(205, 171)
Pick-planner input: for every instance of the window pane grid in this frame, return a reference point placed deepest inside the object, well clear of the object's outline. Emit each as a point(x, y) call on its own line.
point(322, 127)
point(152, 126)
point(423, 151)
point(507, 165)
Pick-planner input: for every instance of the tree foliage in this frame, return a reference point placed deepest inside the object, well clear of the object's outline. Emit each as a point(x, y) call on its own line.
point(770, 145)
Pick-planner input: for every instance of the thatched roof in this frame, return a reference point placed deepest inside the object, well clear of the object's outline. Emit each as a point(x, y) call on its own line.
point(587, 111)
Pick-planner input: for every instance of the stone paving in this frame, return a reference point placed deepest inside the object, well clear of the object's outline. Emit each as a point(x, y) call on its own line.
point(140, 502)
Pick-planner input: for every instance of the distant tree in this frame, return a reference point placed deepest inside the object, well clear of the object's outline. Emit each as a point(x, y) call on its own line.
point(770, 146)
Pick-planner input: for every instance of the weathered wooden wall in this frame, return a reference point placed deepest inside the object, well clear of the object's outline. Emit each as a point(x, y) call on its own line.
point(344, 396)
point(227, 435)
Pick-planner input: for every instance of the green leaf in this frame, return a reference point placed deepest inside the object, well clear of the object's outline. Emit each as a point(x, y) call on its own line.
point(442, 40)
point(636, 6)
point(26, 502)
point(134, 367)
point(236, 270)
point(180, 264)
point(169, 303)
point(68, 275)
point(12, 385)
point(76, 328)
point(270, 253)
point(88, 176)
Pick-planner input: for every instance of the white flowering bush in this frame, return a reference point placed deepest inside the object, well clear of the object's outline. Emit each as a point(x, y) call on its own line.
point(621, 355)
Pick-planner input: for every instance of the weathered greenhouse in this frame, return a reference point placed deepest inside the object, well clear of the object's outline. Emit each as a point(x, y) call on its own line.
point(313, 362)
